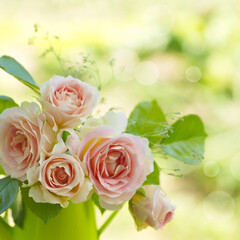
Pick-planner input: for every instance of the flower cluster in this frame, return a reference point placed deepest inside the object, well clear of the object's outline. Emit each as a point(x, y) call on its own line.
point(64, 154)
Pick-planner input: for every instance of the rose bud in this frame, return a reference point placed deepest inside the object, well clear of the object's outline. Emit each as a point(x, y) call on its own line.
point(154, 209)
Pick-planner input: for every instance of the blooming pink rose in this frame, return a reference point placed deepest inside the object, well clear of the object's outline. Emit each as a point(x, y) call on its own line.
point(23, 134)
point(153, 210)
point(117, 166)
point(61, 178)
point(67, 101)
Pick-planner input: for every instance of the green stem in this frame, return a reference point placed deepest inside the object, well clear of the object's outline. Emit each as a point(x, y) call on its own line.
point(108, 221)
point(56, 55)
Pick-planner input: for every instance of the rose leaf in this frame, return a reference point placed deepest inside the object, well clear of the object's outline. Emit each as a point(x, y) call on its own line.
point(45, 211)
point(6, 102)
point(8, 192)
point(186, 140)
point(11, 66)
point(148, 120)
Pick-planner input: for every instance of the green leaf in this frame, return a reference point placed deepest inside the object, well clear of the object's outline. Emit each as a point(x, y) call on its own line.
point(148, 120)
point(45, 211)
point(65, 134)
point(1, 170)
point(137, 221)
point(153, 178)
point(186, 140)
point(141, 192)
point(11, 66)
point(18, 211)
point(8, 192)
point(6, 102)
point(130, 207)
point(95, 199)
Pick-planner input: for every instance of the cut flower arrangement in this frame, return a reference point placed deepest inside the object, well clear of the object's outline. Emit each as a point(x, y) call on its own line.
point(59, 159)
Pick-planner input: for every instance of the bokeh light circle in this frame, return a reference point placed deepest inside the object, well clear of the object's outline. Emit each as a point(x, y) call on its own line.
point(193, 74)
point(123, 64)
point(211, 169)
point(219, 207)
point(147, 73)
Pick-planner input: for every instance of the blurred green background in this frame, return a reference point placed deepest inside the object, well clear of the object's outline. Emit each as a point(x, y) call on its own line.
point(184, 53)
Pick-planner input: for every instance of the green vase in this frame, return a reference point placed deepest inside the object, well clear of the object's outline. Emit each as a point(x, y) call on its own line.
point(76, 222)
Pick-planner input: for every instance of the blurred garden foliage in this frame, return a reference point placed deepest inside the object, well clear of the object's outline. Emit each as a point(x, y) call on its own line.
point(184, 53)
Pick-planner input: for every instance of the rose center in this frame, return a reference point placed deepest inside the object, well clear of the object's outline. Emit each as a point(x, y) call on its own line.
point(68, 95)
point(59, 175)
point(19, 143)
point(114, 164)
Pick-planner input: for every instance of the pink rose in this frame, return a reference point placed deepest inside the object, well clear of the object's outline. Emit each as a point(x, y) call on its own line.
point(67, 101)
point(117, 166)
point(153, 210)
point(61, 178)
point(21, 139)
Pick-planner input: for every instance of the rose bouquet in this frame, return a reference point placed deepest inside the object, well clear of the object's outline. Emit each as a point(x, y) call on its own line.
point(58, 159)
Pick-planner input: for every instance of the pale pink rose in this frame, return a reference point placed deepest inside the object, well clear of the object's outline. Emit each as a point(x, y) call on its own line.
point(23, 134)
point(117, 166)
point(48, 138)
point(67, 102)
point(153, 210)
point(61, 178)
point(115, 119)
